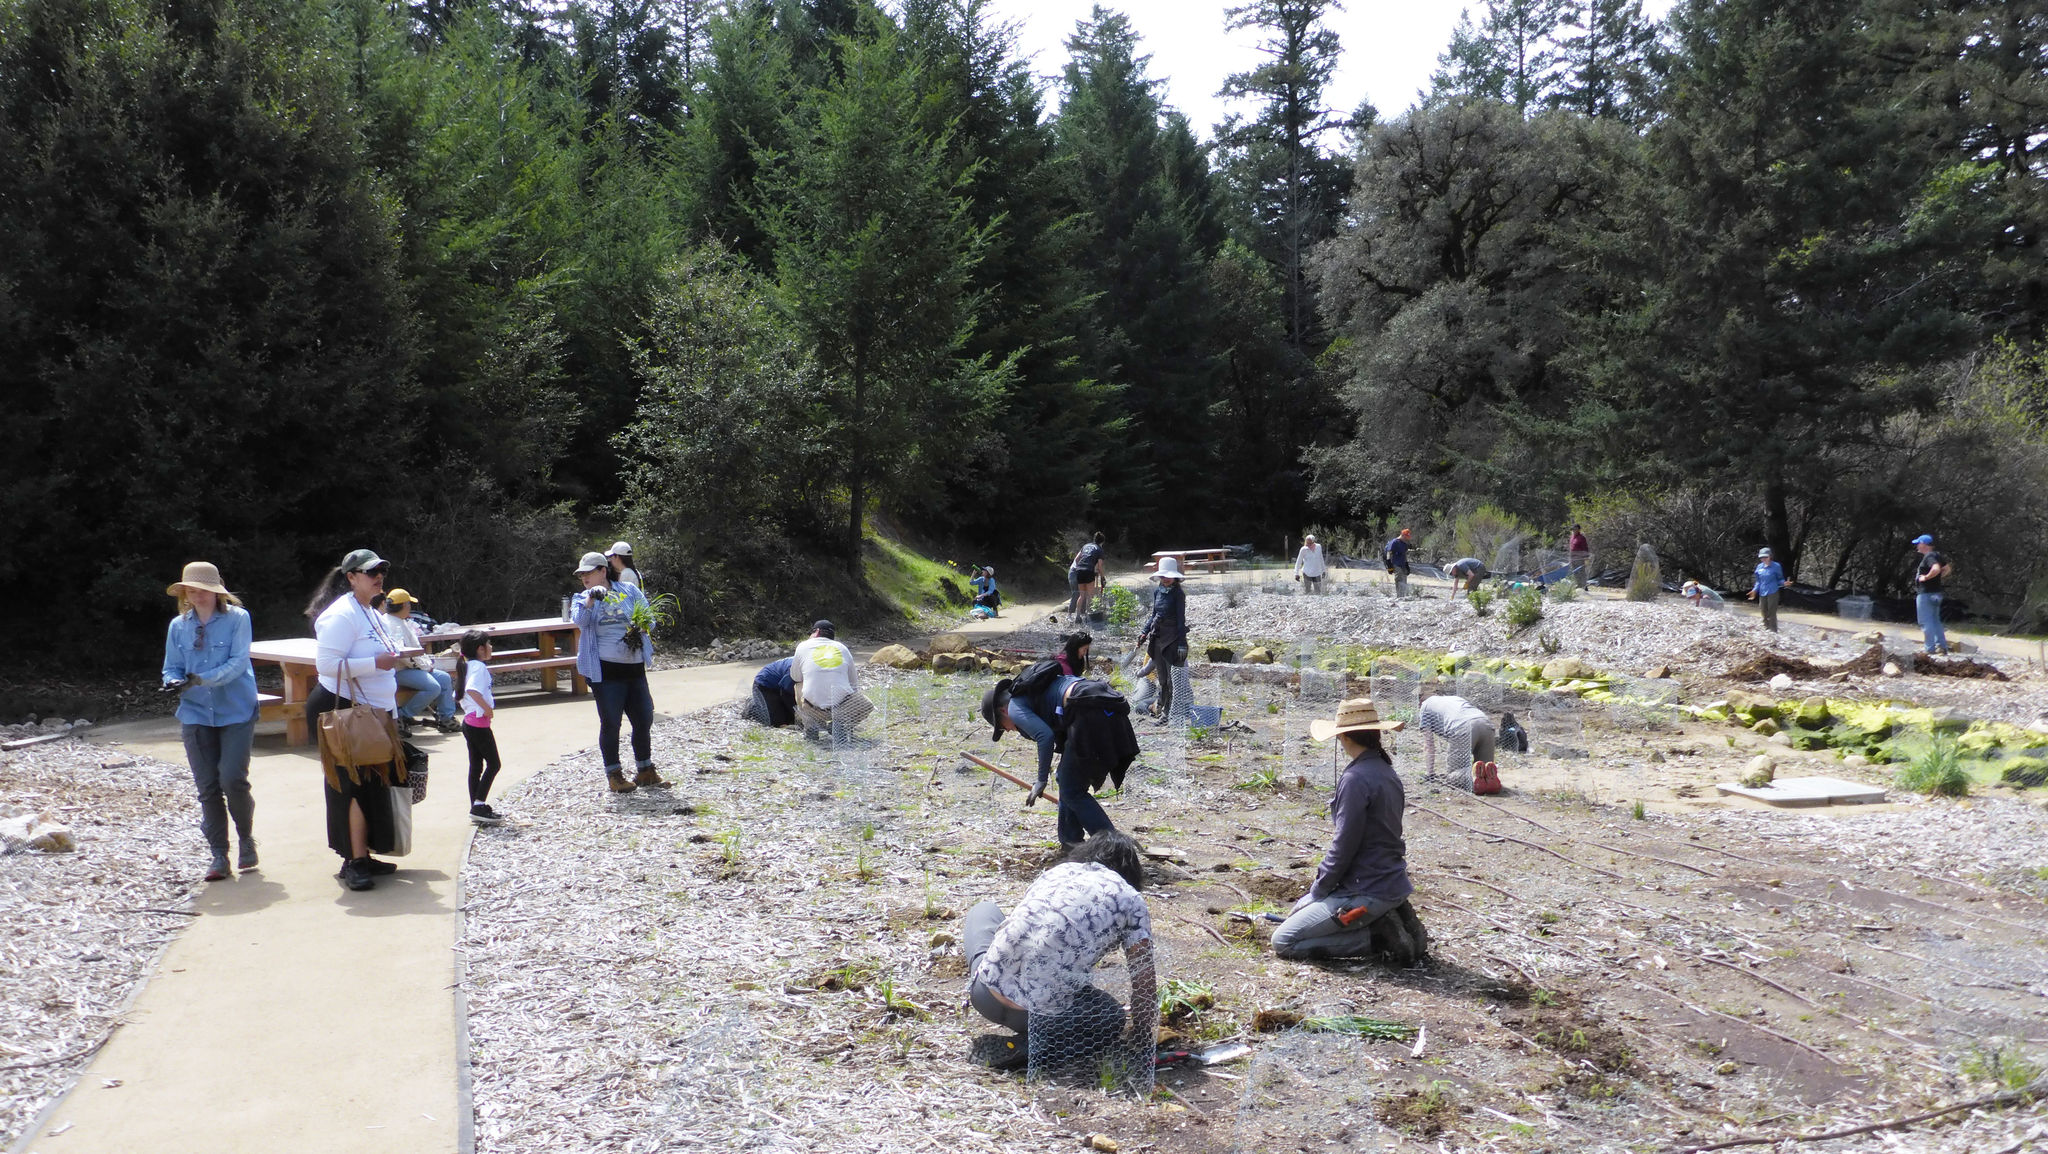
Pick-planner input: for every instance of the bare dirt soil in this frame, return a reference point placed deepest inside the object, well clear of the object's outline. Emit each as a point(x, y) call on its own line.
point(769, 958)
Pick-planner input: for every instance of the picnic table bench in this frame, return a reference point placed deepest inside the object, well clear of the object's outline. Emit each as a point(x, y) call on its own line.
point(1195, 560)
point(296, 656)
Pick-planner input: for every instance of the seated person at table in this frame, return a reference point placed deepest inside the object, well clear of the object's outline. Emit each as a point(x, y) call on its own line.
point(1038, 960)
point(420, 683)
point(774, 699)
point(1468, 570)
point(1358, 906)
point(827, 689)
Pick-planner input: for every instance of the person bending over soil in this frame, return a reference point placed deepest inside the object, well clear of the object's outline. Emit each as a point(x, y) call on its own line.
point(1038, 960)
point(1085, 720)
point(1364, 876)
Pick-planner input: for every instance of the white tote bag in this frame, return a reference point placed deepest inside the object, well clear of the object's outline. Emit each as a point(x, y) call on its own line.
point(401, 821)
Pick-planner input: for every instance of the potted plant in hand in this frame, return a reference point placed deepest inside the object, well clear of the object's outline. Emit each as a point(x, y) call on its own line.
point(655, 612)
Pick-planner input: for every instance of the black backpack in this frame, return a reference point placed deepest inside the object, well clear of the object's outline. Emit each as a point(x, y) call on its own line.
point(1512, 738)
point(1036, 678)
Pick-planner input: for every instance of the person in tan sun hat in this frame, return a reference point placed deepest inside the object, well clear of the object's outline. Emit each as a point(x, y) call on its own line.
point(1364, 876)
point(206, 663)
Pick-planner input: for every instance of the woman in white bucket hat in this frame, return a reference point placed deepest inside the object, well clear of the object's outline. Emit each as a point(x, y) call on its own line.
point(1165, 638)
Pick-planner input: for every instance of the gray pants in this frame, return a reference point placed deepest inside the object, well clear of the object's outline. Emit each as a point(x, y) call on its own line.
point(975, 935)
point(1400, 583)
point(1311, 584)
point(219, 757)
point(1458, 774)
point(1769, 604)
point(1313, 931)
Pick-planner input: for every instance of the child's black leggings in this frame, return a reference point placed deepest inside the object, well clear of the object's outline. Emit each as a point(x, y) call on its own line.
point(483, 761)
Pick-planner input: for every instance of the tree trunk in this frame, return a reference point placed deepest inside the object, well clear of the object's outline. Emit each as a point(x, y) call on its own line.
point(857, 462)
point(1778, 524)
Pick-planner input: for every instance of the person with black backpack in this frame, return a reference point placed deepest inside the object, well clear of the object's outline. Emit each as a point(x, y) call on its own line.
point(1086, 721)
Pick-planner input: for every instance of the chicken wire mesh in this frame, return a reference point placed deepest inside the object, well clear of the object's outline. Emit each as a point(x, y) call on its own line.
point(1303, 1090)
point(714, 1092)
point(1093, 1040)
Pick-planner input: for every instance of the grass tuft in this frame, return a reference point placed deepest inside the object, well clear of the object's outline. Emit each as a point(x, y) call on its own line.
point(1937, 770)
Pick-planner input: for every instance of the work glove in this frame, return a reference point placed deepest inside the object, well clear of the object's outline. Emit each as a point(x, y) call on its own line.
point(1037, 791)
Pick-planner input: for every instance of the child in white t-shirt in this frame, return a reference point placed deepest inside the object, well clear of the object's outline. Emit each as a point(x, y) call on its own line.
point(473, 688)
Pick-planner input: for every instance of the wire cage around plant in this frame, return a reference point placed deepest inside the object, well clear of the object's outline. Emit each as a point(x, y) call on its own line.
point(1098, 1038)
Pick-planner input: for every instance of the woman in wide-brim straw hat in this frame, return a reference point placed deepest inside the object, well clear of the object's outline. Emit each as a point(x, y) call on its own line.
point(206, 661)
point(1165, 637)
point(1364, 876)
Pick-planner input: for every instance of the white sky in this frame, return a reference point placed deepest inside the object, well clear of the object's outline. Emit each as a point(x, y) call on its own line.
point(1389, 47)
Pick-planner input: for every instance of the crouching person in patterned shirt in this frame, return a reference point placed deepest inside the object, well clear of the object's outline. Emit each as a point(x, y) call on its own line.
point(1358, 906)
point(1037, 961)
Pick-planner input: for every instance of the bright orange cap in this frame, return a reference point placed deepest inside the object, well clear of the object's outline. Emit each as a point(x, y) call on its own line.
point(1407, 532)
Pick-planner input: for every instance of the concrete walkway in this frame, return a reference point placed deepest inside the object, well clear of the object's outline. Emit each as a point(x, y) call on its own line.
point(295, 1017)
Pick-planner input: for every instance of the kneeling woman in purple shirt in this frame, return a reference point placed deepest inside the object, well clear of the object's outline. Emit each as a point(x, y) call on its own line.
point(1364, 876)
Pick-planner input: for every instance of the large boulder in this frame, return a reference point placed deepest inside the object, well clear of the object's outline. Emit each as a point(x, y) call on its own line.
point(1766, 726)
point(1219, 654)
point(1759, 772)
point(1812, 713)
point(897, 657)
point(952, 662)
point(1566, 669)
point(1259, 655)
point(1751, 707)
point(952, 643)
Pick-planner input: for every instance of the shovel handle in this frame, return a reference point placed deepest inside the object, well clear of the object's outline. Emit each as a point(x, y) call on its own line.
point(1007, 776)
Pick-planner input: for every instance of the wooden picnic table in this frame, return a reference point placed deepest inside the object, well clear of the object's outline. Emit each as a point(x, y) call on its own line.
point(296, 656)
point(1195, 560)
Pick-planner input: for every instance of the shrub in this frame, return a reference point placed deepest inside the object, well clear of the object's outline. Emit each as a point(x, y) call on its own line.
point(1936, 770)
point(1481, 599)
point(1524, 608)
point(1121, 605)
point(1565, 590)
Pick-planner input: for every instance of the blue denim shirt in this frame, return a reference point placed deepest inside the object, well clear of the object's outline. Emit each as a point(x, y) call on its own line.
point(602, 622)
point(220, 684)
point(1035, 718)
point(1770, 577)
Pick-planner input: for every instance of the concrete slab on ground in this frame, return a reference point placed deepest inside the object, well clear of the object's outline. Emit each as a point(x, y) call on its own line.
point(1807, 791)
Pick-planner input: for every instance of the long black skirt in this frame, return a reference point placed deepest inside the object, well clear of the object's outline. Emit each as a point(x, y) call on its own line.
point(372, 793)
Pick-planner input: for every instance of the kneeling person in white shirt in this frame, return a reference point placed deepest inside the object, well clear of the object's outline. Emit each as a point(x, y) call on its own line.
point(827, 688)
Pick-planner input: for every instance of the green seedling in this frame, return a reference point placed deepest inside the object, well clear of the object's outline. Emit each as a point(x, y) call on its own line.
point(1268, 778)
point(1937, 770)
point(1638, 812)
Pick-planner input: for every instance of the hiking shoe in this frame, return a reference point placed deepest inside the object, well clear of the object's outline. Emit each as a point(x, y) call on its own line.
point(999, 1052)
point(618, 782)
point(447, 724)
point(247, 857)
point(355, 874)
point(648, 779)
point(218, 871)
point(380, 868)
point(482, 814)
point(404, 726)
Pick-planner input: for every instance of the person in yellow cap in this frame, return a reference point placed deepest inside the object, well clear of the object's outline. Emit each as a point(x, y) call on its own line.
point(422, 683)
point(1364, 876)
point(206, 662)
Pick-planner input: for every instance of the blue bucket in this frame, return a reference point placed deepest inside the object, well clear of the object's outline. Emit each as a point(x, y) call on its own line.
point(1206, 716)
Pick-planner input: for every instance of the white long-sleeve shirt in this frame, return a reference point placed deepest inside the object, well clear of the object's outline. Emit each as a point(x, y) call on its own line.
point(349, 636)
point(1309, 562)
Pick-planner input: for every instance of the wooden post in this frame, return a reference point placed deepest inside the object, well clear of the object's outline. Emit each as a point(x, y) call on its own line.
point(547, 650)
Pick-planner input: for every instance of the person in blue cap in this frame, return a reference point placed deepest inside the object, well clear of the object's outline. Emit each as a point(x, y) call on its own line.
point(1770, 584)
point(1927, 579)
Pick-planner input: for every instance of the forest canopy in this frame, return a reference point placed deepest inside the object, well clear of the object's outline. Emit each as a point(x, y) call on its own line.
point(481, 283)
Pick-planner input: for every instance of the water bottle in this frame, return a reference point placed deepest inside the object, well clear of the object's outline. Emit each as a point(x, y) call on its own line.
point(565, 608)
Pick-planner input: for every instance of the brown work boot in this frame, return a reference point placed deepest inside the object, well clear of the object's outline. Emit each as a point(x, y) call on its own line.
point(649, 779)
point(618, 781)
